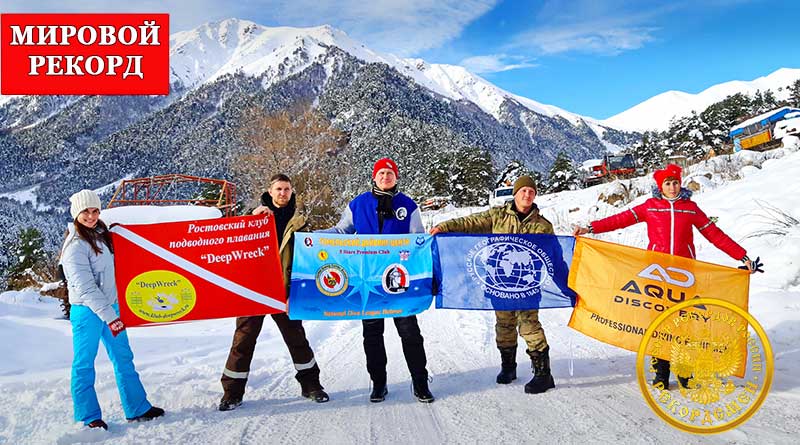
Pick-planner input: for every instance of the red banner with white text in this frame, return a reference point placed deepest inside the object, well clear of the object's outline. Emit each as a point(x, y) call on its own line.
point(197, 270)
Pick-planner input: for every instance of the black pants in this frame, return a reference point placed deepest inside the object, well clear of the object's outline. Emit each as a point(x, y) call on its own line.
point(237, 368)
point(413, 348)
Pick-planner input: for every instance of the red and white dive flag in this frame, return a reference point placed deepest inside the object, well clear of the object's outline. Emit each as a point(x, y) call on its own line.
point(198, 270)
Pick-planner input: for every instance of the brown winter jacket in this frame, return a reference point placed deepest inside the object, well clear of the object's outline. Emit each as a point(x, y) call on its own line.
point(286, 249)
point(499, 220)
point(297, 223)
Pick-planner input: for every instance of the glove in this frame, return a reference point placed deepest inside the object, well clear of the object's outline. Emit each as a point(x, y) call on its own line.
point(116, 327)
point(260, 210)
point(60, 276)
point(756, 264)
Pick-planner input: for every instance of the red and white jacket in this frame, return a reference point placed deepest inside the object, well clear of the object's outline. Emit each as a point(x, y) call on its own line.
point(669, 226)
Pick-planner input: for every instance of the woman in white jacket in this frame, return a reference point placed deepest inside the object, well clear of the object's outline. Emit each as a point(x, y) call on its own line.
point(88, 261)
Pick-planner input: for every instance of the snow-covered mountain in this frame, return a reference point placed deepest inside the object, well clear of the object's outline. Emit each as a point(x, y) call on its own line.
point(656, 112)
point(424, 115)
point(457, 83)
point(214, 49)
point(231, 46)
point(234, 47)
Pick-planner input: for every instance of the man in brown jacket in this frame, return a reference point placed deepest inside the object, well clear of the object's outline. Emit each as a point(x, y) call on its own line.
point(280, 201)
point(518, 216)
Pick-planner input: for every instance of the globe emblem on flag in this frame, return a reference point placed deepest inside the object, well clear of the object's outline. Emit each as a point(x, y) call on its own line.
point(509, 267)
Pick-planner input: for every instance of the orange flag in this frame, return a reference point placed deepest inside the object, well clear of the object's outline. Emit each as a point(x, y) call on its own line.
point(621, 289)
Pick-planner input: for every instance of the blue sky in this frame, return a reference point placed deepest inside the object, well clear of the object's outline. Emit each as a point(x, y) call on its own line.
point(593, 57)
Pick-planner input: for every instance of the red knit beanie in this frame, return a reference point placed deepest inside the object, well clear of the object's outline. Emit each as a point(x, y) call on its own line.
point(384, 163)
point(670, 170)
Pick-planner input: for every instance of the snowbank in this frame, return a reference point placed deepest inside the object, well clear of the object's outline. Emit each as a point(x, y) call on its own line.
point(791, 143)
point(23, 298)
point(157, 214)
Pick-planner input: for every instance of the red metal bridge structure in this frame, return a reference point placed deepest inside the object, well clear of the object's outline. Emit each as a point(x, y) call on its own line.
point(176, 189)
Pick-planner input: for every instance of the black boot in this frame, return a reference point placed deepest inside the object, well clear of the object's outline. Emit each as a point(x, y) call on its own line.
point(97, 424)
point(421, 391)
point(379, 392)
point(661, 380)
point(542, 379)
point(151, 414)
point(229, 404)
point(317, 395)
point(508, 365)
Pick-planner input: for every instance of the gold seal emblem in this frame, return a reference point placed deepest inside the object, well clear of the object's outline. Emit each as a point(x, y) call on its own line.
point(722, 361)
point(332, 280)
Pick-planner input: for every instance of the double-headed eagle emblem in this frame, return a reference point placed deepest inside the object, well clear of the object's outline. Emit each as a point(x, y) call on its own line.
point(708, 364)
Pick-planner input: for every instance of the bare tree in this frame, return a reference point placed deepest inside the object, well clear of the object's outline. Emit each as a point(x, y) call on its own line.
point(301, 143)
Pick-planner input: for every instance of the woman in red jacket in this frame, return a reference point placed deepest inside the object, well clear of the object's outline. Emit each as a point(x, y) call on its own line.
point(670, 215)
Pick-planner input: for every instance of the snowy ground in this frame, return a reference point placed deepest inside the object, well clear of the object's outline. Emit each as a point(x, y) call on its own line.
point(597, 402)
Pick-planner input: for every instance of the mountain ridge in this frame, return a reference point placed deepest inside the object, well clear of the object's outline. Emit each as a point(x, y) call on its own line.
point(51, 146)
point(656, 112)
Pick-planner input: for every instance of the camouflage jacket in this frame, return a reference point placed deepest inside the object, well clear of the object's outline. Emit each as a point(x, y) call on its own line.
point(499, 220)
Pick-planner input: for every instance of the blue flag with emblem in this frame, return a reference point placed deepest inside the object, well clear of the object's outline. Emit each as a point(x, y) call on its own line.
point(503, 272)
point(339, 277)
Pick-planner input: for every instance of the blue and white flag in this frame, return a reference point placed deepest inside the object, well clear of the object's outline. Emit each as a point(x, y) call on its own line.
point(339, 277)
point(503, 272)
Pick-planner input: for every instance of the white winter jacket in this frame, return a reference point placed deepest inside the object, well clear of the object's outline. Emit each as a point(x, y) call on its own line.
point(90, 277)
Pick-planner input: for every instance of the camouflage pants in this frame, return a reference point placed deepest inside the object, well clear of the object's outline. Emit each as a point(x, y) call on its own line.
point(529, 328)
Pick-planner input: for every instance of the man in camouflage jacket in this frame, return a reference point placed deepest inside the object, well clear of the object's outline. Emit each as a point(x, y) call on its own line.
point(520, 216)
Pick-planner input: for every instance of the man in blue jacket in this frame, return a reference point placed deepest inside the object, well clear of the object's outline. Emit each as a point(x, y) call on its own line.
point(384, 210)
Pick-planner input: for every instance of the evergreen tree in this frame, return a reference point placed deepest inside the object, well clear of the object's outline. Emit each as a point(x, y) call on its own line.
point(770, 101)
point(28, 256)
point(211, 195)
point(208, 192)
point(794, 94)
point(5, 261)
point(763, 102)
point(721, 117)
point(648, 152)
point(472, 177)
point(758, 102)
point(686, 136)
point(538, 178)
point(439, 176)
point(511, 172)
point(563, 174)
point(465, 177)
